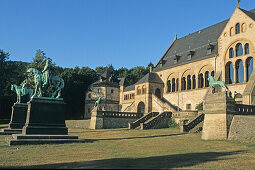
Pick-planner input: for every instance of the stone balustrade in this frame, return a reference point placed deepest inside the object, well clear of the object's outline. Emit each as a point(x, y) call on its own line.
point(242, 109)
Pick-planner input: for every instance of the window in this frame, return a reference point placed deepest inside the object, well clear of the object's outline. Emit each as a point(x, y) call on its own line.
point(247, 50)
point(190, 54)
point(89, 95)
point(188, 82)
point(237, 28)
point(88, 110)
point(193, 82)
point(173, 85)
point(231, 53)
point(177, 84)
point(206, 79)
point(200, 80)
point(229, 73)
point(143, 90)
point(239, 71)
point(209, 49)
point(99, 90)
point(138, 90)
point(112, 91)
point(188, 106)
point(212, 73)
point(249, 67)
point(168, 86)
point(183, 85)
point(239, 49)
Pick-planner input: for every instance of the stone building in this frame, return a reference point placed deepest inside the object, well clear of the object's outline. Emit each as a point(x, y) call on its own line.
point(105, 88)
point(179, 79)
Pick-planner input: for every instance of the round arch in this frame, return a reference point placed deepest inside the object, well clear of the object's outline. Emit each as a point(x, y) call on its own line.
point(141, 108)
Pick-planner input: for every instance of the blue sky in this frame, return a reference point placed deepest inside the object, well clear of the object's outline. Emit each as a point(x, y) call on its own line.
point(124, 33)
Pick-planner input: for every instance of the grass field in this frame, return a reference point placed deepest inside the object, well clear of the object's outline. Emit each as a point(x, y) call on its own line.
point(123, 148)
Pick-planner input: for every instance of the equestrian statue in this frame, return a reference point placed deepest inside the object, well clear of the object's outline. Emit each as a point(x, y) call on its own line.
point(21, 91)
point(46, 79)
point(213, 83)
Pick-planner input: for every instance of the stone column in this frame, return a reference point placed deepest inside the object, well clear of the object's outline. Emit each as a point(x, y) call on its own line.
point(219, 111)
point(96, 121)
point(244, 72)
point(234, 73)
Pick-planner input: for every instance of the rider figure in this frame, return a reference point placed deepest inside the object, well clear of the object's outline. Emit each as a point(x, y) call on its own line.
point(46, 73)
point(24, 86)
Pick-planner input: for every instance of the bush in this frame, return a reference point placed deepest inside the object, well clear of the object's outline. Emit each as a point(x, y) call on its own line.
point(199, 106)
point(172, 124)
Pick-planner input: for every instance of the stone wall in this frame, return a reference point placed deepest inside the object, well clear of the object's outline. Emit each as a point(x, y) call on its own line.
point(78, 124)
point(101, 119)
point(242, 129)
point(111, 123)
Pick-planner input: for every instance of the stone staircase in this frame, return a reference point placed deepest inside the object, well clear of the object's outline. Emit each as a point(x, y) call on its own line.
point(161, 104)
point(130, 107)
point(153, 120)
point(248, 94)
point(195, 125)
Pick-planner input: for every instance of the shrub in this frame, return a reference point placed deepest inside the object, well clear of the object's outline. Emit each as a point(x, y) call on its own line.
point(199, 106)
point(172, 124)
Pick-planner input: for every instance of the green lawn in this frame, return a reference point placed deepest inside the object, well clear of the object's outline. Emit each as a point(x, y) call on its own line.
point(123, 148)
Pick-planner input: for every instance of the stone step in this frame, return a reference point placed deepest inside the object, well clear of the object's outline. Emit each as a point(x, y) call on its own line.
point(8, 131)
point(12, 141)
point(21, 136)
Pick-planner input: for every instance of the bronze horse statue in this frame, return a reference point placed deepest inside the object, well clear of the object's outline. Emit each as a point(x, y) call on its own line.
point(213, 83)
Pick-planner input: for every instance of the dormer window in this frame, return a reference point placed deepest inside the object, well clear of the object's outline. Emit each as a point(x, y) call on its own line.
point(176, 59)
point(190, 54)
point(237, 28)
point(209, 49)
point(161, 63)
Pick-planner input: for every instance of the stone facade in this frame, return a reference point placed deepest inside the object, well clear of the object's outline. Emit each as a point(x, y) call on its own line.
point(179, 80)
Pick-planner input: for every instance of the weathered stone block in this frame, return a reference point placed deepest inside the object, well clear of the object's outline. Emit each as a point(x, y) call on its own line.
point(45, 116)
point(18, 117)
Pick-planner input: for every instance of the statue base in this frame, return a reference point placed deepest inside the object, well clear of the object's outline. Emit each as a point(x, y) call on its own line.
point(18, 119)
point(45, 116)
point(45, 124)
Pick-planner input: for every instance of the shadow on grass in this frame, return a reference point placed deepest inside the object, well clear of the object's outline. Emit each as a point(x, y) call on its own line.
point(156, 162)
point(137, 137)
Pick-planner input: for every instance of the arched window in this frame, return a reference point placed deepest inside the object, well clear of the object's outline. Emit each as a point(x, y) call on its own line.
point(249, 67)
point(177, 84)
point(237, 28)
point(173, 84)
point(143, 90)
point(188, 82)
point(206, 78)
point(212, 73)
point(168, 86)
point(229, 73)
point(246, 49)
point(193, 82)
point(183, 84)
point(239, 71)
point(138, 90)
point(231, 53)
point(200, 80)
point(239, 49)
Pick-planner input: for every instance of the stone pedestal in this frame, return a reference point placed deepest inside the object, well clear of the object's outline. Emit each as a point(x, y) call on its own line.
point(45, 123)
point(45, 116)
point(96, 121)
point(18, 119)
point(219, 111)
point(19, 115)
